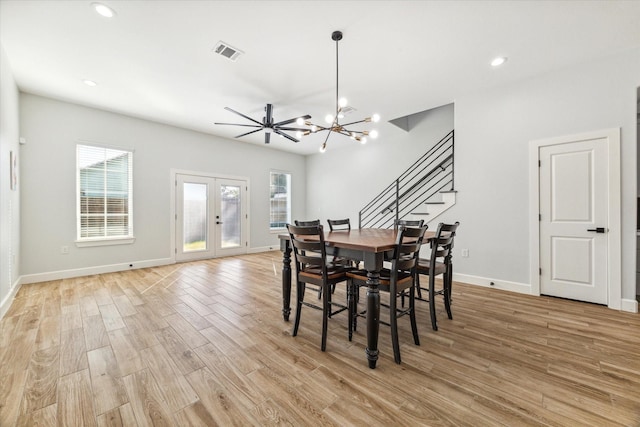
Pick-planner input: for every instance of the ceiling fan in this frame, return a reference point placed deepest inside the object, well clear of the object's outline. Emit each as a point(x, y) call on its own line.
point(268, 125)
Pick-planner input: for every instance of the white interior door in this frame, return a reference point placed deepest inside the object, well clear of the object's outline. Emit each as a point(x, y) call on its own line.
point(574, 220)
point(211, 217)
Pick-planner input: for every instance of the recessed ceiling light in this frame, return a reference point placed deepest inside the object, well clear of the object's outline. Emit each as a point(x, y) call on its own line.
point(103, 10)
point(498, 61)
point(90, 82)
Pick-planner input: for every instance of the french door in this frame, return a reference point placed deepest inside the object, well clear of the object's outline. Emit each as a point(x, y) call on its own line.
point(211, 217)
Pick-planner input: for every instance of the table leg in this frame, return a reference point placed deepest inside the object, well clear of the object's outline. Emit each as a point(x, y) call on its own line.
point(373, 317)
point(286, 281)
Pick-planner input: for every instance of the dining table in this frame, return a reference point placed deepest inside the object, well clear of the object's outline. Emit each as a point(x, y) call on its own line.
point(369, 245)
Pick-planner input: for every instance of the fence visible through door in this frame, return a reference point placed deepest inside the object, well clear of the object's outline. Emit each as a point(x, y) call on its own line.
point(211, 217)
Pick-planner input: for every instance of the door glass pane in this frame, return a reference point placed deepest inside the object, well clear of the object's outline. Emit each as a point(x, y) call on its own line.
point(230, 211)
point(195, 217)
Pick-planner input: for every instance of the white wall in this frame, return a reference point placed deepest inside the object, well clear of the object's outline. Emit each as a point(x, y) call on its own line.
point(9, 199)
point(493, 129)
point(53, 128)
point(349, 175)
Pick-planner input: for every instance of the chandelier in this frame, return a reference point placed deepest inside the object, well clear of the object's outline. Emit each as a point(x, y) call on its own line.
point(334, 119)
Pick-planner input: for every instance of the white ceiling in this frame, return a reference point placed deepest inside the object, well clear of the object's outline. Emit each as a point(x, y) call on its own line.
point(154, 60)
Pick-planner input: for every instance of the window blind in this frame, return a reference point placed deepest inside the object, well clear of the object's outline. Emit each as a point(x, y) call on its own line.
point(105, 183)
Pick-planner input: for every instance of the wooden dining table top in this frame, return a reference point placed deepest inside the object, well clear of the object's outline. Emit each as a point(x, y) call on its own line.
point(363, 239)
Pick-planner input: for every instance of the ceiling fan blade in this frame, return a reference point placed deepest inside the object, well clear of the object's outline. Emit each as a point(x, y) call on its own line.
point(238, 124)
point(290, 129)
point(269, 110)
point(285, 135)
point(242, 115)
point(286, 122)
point(267, 137)
point(249, 133)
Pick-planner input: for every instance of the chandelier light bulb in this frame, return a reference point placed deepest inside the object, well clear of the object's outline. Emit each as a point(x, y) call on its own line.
point(299, 134)
point(363, 140)
point(314, 128)
point(373, 134)
point(328, 118)
point(340, 116)
point(342, 102)
point(323, 147)
point(300, 121)
point(375, 118)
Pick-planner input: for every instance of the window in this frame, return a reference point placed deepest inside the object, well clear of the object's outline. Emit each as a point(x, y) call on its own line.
point(104, 183)
point(280, 198)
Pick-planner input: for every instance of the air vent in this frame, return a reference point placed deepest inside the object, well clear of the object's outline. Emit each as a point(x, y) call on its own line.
point(227, 51)
point(348, 110)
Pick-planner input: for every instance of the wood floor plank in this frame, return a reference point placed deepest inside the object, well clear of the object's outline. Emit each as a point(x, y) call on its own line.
point(146, 402)
point(174, 388)
point(118, 417)
point(126, 353)
point(42, 380)
point(73, 352)
point(183, 355)
point(111, 317)
point(45, 417)
point(95, 334)
point(75, 403)
point(106, 383)
point(11, 394)
point(215, 398)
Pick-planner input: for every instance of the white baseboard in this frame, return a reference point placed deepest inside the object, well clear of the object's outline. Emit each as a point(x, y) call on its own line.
point(263, 249)
point(6, 302)
point(88, 271)
point(522, 288)
point(629, 305)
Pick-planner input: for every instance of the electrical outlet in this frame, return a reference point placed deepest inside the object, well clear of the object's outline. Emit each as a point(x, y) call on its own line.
point(465, 253)
point(64, 250)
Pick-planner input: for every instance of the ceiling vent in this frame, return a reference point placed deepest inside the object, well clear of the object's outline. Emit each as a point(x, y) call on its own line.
point(227, 51)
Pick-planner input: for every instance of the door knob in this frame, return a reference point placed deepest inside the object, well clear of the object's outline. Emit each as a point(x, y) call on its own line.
point(218, 222)
point(597, 230)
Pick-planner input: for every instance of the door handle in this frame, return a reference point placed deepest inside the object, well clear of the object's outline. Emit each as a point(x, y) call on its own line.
point(220, 222)
point(597, 230)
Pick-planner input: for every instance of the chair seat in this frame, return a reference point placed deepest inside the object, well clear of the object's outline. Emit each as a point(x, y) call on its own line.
point(334, 271)
point(423, 267)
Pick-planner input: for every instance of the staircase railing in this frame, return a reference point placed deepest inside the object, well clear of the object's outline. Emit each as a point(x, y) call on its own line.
point(429, 175)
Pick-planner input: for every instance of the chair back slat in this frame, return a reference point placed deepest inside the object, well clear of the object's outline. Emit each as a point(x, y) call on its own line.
point(311, 223)
point(409, 222)
point(339, 224)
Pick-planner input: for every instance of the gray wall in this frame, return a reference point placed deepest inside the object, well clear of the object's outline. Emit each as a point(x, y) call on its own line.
point(493, 130)
point(9, 199)
point(53, 128)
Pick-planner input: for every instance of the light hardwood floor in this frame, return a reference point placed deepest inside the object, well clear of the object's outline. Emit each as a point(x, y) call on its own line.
point(204, 343)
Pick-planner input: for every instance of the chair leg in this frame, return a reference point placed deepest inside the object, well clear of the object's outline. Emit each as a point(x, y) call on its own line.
point(412, 316)
point(350, 310)
point(393, 321)
point(326, 297)
point(432, 304)
point(300, 288)
point(418, 288)
point(446, 292)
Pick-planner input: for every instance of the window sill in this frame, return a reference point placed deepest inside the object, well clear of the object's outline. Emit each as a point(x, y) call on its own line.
point(278, 230)
point(86, 243)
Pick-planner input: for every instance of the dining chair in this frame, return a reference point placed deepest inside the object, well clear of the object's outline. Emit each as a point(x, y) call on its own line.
point(339, 224)
point(312, 267)
point(439, 263)
point(409, 222)
point(398, 280)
